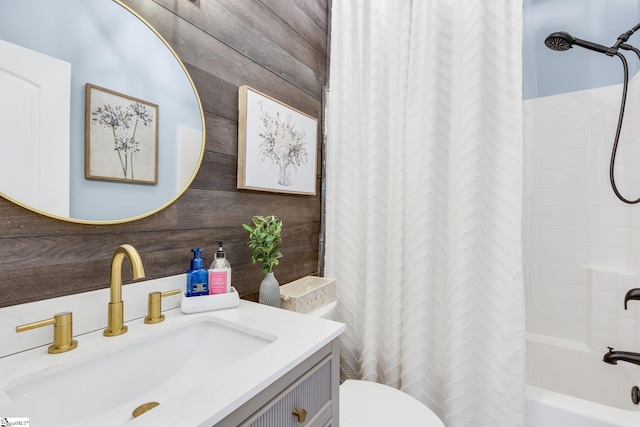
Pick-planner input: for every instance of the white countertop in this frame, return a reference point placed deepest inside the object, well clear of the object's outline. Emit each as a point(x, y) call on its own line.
point(296, 336)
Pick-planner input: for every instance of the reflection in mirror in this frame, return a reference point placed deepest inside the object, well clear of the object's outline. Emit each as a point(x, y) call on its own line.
point(49, 52)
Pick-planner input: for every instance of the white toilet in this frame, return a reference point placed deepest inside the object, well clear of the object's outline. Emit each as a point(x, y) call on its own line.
point(369, 404)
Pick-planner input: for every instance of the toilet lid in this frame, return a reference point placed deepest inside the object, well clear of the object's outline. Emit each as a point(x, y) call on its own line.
point(369, 404)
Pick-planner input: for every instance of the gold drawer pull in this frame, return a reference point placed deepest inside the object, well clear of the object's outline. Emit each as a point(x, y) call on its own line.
point(301, 415)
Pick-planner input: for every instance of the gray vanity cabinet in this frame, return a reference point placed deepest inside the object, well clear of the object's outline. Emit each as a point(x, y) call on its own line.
point(306, 396)
point(305, 402)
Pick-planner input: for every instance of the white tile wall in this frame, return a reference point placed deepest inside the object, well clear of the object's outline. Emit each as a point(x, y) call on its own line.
point(581, 244)
point(610, 325)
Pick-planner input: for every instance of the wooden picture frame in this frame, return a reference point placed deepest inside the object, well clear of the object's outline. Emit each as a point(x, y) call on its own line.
point(121, 137)
point(277, 145)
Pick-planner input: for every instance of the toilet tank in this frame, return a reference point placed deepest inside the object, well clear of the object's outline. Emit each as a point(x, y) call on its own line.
point(326, 311)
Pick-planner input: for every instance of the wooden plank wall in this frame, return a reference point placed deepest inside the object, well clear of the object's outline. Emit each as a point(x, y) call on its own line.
point(278, 47)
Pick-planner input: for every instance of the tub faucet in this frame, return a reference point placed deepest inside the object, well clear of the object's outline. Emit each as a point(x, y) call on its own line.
point(612, 357)
point(631, 294)
point(116, 324)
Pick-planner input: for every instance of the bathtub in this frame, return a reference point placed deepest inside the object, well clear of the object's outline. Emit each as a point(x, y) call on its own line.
point(568, 385)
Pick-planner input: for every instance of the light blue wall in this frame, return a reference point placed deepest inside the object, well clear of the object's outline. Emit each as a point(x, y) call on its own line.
point(111, 48)
point(547, 72)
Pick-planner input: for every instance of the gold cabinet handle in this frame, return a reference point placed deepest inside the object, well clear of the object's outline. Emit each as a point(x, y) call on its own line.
point(62, 332)
point(154, 314)
point(300, 414)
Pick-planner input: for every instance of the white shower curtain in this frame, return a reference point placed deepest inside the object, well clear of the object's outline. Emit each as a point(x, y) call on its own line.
point(423, 201)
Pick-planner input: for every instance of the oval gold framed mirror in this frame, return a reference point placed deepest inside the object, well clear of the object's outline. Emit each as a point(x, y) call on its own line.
point(54, 138)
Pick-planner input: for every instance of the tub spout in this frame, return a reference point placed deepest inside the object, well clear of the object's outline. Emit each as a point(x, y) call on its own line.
point(631, 294)
point(612, 357)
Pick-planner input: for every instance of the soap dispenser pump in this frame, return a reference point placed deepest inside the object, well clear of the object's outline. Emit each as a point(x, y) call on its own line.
point(220, 273)
point(197, 276)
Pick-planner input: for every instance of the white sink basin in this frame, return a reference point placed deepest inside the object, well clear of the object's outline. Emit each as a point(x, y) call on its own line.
point(108, 383)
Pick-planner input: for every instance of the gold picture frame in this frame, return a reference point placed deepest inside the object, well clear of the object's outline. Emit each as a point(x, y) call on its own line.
point(121, 137)
point(277, 145)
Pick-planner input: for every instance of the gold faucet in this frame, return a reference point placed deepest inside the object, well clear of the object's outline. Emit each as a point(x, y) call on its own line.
point(116, 324)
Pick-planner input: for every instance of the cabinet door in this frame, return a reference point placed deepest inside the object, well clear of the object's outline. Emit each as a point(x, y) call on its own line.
point(310, 393)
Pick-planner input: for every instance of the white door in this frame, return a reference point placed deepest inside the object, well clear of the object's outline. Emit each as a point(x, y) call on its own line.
point(34, 128)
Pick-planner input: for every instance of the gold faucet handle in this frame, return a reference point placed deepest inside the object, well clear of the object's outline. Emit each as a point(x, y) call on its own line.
point(62, 332)
point(155, 305)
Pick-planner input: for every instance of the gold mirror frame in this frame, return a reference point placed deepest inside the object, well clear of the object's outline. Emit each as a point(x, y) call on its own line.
point(179, 192)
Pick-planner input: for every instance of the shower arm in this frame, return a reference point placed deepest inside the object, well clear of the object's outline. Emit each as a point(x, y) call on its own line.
point(563, 41)
point(622, 39)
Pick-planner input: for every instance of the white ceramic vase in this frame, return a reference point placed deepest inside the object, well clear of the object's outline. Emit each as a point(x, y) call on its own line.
point(269, 291)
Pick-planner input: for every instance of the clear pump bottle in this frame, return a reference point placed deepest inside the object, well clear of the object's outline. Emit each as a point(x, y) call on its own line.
point(220, 273)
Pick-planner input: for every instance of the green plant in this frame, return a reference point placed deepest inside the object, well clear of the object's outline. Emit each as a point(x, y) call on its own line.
point(265, 240)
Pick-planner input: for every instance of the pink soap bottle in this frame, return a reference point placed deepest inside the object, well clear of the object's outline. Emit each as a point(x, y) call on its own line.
point(220, 273)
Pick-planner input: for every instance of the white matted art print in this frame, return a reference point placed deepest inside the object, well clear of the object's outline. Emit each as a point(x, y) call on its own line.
point(277, 145)
point(121, 137)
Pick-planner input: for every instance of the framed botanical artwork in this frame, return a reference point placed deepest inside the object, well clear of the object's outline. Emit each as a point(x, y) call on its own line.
point(121, 137)
point(277, 145)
